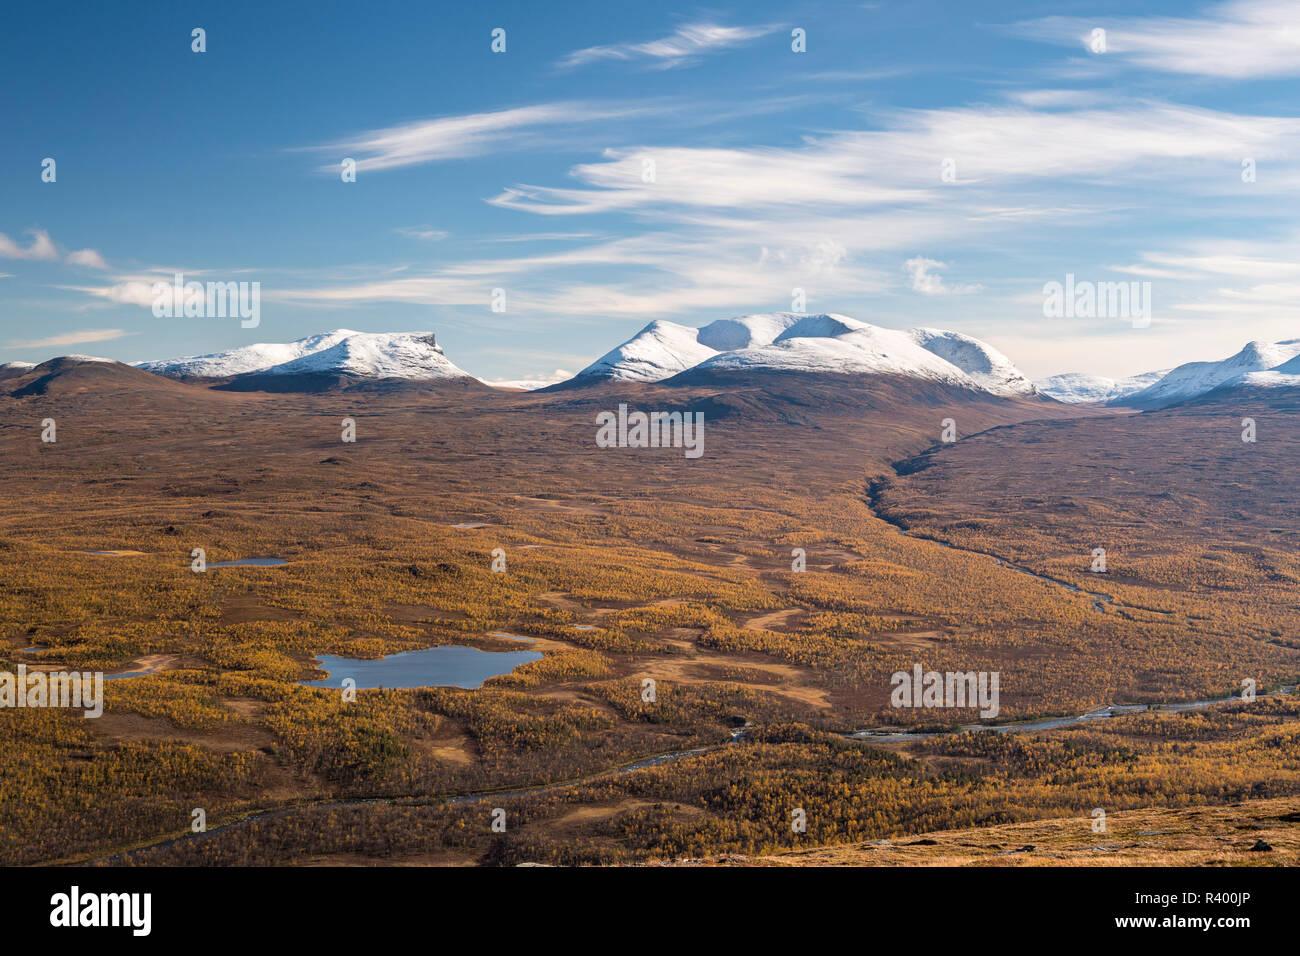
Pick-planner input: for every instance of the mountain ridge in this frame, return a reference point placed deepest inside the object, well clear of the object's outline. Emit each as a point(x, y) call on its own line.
point(798, 343)
point(410, 356)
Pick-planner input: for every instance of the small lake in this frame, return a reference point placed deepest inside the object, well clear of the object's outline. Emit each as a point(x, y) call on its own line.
point(513, 637)
point(250, 563)
point(452, 665)
point(1052, 723)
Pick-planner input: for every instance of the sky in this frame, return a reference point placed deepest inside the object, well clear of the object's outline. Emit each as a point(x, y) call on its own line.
point(916, 164)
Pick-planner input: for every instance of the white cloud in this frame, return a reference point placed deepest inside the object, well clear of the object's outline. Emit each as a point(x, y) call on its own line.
point(726, 230)
point(732, 229)
point(927, 281)
point(425, 233)
point(129, 292)
point(1242, 39)
point(459, 137)
point(87, 257)
point(683, 46)
point(72, 338)
point(901, 163)
point(541, 237)
point(42, 247)
point(1049, 99)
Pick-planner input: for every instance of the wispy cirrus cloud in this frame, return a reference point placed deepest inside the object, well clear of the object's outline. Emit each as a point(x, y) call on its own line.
point(721, 230)
point(81, 337)
point(465, 136)
point(423, 233)
point(124, 292)
point(990, 148)
point(682, 47)
point(738, 227)
point(1242, 39)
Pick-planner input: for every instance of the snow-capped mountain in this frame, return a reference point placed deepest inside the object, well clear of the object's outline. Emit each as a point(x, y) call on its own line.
point(527, 384)
point(792, 342)
point(990, 369)
point(747, 331)
point(1075, 388)
point(13, 369)
point(659, 351)
point(84, 377)
point(1258, 364)
point(414, 356)
point(1286, 375)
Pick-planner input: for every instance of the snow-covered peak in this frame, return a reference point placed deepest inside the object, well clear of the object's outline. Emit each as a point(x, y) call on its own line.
point(658, 351)
point(837, 343)
point(1197, 378)
point(377, 355)
point(981, 361)
point(410, 355)
point(1076, 388)
point(1286, 374)
point(823, 342)
point(746, 331)
point(824, 325)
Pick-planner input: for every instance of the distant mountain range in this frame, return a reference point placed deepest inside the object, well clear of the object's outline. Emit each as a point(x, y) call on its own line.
point(1258, 365)
point(786, 345)
point(1076, 388)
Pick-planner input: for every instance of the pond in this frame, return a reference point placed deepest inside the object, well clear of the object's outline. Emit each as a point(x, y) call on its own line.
point(452, 665)
point(250, 563)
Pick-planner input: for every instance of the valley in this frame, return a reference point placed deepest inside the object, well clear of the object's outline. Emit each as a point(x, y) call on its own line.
point(626, 565)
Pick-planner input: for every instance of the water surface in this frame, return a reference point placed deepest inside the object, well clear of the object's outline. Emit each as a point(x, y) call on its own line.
point(452, 665)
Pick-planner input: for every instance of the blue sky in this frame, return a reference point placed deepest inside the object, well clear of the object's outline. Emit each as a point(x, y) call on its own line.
point(526, 171)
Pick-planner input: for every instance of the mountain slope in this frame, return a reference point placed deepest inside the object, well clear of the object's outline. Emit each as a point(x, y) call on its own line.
point(658, 351)
point(15, 369)
point(1286, 375)
point(989, 368)
point(85, 378)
